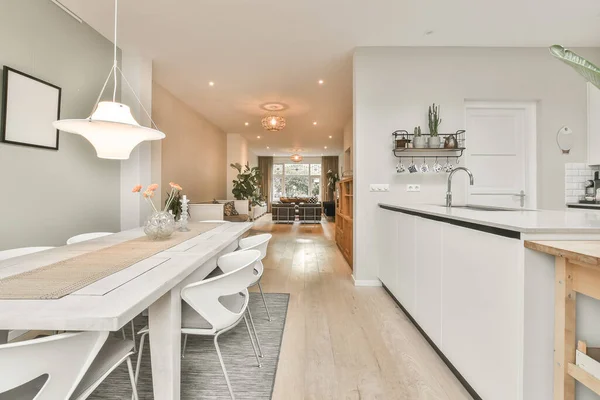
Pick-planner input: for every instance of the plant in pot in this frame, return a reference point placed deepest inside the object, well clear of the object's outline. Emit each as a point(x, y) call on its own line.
point(434, 123)
point(247, 184)
point(419, 141)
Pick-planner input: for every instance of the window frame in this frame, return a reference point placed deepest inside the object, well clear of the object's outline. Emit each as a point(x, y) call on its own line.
point(310, 177)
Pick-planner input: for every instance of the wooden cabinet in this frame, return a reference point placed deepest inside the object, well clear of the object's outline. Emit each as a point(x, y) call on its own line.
point(343, 218)
point(593, 125)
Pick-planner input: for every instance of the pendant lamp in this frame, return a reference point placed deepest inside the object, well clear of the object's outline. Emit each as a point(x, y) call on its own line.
point(111, 128)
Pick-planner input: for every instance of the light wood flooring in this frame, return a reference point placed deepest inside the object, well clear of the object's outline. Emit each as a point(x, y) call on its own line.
point(340, 341)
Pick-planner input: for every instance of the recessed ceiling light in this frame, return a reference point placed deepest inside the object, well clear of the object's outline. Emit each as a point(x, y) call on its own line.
point(321, 81)
point(325, 147)
point(268, 147)
point(211, 83)
point(258, 137)
point(330, 137)
point(246, 123)
point(314, 123)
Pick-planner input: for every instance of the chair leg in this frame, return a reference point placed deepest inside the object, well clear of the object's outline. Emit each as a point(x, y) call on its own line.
point(264, 301)
point(133, 335)
point(252, 341)
point(223, 367)
point(132, 379)
point(255, 334)
point(184, 345)
point(123, 332)
point(139, 357)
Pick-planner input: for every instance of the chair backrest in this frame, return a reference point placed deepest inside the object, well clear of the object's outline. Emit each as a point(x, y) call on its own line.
point(6, 254)
point(87, 236)
point(64, 358)
point(258, 242)
point(204, 296)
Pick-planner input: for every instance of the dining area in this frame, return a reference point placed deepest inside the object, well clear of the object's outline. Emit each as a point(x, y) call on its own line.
point(67, 313)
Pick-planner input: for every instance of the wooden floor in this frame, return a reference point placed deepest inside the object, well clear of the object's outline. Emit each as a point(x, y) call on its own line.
point(340, 341)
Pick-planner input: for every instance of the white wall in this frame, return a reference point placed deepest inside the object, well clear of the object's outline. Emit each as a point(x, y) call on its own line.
point(237, 152)
point(394, 86)
point(48, 195)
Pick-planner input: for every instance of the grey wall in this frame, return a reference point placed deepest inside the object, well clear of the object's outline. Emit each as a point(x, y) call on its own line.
point(394, 86)
point(47, 196)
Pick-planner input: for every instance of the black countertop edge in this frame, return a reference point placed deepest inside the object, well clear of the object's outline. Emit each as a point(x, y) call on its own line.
point(469, 225)
point(584, 205)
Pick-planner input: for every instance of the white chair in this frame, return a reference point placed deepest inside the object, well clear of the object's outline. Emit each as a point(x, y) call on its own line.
point(214, 306)
point(95, 235)
point(260, 243)
point(87, 236)
point(64, 366)
point(6, 254)
point(7, 336)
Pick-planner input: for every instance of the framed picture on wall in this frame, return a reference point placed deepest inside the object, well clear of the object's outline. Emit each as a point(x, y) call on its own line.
point(29, 107)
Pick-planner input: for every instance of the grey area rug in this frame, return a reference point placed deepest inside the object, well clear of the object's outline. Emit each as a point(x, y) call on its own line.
point(201, 374)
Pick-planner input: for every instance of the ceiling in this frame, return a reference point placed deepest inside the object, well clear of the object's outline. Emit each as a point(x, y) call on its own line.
point(264, 51)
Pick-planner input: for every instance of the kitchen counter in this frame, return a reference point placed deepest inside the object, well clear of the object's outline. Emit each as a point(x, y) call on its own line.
point(525, 221)
point(483, 300)
point(584, 205)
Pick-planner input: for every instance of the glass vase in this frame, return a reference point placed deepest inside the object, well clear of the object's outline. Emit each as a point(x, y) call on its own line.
point(160, 225)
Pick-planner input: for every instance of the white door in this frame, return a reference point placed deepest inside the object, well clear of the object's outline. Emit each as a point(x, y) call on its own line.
point(501, 153)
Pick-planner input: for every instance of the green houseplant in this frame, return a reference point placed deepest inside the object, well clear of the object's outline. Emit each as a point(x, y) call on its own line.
point(419, 141)
point(434, 124)
point(247, 184)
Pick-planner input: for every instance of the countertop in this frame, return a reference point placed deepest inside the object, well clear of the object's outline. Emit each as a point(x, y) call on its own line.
point(584, 251)
point(584, 205)
point(526, 221)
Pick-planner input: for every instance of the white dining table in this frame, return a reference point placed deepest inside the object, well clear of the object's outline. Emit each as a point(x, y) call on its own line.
point(108, 304)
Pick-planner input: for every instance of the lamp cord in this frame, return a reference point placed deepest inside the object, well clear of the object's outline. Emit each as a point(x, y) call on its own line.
point(115, 51)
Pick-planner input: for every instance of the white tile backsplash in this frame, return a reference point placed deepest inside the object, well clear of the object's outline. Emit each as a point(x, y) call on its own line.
point(575, 176)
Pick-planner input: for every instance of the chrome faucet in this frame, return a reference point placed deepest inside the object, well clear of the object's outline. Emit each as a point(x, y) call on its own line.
point(449, 191)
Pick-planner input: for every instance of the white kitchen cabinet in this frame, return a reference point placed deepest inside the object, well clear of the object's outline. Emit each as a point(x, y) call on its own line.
point(593, 124)
point(481, 310)
point(405, 280)
point(388, 260)
point(428, 278)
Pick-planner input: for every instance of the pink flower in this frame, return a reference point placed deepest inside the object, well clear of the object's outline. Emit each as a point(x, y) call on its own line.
point(153, 187)
point(148, 193)
point(137, 189)
point(175, 186)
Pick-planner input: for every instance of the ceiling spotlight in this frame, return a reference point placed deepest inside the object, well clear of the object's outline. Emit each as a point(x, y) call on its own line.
point(314, 123)
point(211, 83)
point(321, 81)
point(258, 137)
point(325, 147)
point(268, 147)
point(330, 137)
point(246, 123)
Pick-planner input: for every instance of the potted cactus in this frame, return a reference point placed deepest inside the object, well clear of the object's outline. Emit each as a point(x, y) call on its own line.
point(434, 123)
point(419, 141)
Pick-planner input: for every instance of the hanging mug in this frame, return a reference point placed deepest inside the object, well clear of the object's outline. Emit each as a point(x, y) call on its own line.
point(424, 168)
point(437, 167)
point(412, 168)
point(400, 167)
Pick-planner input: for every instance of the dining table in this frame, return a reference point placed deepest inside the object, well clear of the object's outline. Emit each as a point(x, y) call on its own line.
point(107, 304)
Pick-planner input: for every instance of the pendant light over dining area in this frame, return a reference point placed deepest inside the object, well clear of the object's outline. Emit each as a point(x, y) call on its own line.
point(111, 128)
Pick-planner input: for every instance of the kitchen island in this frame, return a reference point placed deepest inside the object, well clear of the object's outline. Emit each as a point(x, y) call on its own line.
point(484, 301)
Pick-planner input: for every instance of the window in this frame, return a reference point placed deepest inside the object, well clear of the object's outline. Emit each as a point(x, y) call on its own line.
point(296, 180)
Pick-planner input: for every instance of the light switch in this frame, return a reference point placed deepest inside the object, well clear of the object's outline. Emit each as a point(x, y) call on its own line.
point(379, 187)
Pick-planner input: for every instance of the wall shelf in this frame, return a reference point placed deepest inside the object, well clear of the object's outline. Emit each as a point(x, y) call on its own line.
point(428, 152)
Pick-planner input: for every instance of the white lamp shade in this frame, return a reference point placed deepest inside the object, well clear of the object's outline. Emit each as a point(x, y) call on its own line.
point(111, 129)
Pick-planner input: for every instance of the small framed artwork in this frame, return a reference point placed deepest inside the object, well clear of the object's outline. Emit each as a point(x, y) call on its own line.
point(29, 107)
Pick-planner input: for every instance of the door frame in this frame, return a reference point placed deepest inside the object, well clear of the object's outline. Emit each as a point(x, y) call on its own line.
point(530, 143)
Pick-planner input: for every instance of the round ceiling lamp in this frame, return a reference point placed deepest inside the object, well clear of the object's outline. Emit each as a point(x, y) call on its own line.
point(273, 123)
point(296, 158)
point(111, 128)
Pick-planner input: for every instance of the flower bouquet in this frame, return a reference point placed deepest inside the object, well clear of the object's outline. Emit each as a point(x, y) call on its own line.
point(161, 224)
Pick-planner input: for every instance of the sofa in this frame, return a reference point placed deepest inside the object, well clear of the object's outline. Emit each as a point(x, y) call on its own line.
point(310, 213)
point(215, 210)
point(286, 210)
point(283, 212)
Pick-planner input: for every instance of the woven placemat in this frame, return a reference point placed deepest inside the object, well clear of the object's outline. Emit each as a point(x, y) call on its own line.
point(59, 279)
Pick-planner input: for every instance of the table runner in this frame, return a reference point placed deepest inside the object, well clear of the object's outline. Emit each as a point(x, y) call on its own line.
point(59, 279)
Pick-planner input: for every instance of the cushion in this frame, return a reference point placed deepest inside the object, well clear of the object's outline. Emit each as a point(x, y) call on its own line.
point(229, 209)
point(237, 218)
point(313, 200)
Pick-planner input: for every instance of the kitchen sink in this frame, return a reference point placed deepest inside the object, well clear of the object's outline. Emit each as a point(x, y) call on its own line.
point(486, 208)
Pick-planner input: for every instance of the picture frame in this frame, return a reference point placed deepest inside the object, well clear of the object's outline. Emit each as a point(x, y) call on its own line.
point(29, 107)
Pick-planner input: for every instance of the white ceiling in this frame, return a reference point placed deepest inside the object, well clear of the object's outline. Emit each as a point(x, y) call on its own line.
point(263, 51)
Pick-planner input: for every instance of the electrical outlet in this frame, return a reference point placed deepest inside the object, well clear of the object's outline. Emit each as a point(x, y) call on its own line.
point(413, 188)
point(379, 188)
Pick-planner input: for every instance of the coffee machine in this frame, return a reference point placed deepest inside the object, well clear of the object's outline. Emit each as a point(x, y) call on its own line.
point(590, 190)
